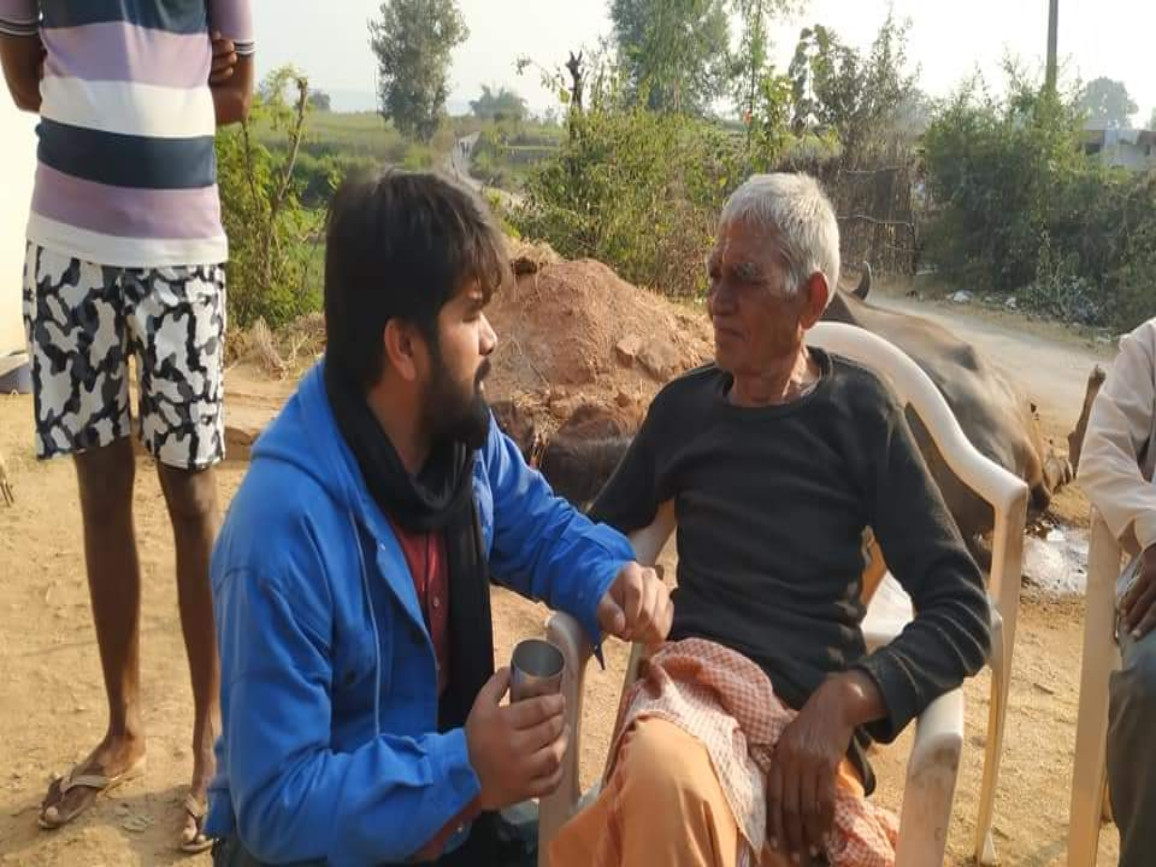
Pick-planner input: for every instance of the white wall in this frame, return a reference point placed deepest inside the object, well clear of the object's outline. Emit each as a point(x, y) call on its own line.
point(17, 167)
point(1129, 156)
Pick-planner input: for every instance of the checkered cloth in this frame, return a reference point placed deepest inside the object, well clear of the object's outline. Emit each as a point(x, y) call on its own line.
point(727, 703)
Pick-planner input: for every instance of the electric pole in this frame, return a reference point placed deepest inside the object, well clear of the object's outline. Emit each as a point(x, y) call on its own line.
point(1053, 44)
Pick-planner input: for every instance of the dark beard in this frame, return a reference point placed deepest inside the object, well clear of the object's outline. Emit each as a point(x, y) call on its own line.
point(453, 418)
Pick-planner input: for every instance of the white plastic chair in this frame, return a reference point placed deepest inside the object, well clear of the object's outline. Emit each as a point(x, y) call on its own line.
point(933, 763)
point(1101, 658)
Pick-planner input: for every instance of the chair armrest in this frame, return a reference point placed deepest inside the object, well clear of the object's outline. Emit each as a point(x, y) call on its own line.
point(651, 539)
point(887, 614)
point(553, 810)
point(932, 771)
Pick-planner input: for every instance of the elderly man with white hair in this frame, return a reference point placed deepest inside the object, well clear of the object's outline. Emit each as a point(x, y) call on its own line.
point(778, 457)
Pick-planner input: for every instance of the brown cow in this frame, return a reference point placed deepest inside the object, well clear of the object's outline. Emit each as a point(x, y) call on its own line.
point(581, 455)
point(995, 415)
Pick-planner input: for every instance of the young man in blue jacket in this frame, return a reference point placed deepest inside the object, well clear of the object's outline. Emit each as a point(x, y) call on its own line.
point(362, 722)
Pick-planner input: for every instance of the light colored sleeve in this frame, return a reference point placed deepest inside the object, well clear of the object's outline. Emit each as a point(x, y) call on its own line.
point(19, 17)
point(234, 20)
point(1119, 431)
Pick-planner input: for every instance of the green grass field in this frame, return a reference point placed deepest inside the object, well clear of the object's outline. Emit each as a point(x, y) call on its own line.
point(338, 143)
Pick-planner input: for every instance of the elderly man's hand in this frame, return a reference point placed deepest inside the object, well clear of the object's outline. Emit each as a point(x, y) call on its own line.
point(801, 782)
point(1139, 604)
point(637, 606)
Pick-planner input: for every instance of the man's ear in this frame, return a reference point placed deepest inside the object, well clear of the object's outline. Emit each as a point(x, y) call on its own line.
point(816, 291)
point(402, 344)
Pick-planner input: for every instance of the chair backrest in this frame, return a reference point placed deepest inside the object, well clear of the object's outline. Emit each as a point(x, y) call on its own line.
point(914, 387)
point(1005, 492)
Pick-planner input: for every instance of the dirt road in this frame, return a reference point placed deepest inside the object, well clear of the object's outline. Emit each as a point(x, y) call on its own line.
point(52, 706)
point(459, 167)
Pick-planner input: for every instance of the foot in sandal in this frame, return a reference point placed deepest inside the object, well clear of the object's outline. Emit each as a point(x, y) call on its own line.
point(196, 807)
point(193, 839)
point(114, 762)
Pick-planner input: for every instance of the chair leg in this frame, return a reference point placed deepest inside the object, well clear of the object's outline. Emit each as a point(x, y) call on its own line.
point(553, 810)
point(1000, 677)
point(1089, 772)
point(1089, 780)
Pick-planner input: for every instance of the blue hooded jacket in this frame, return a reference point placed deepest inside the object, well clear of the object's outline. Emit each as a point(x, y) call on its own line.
point(329, 748)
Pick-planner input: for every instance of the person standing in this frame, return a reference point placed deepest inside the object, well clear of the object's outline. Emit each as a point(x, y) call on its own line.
point(1116, 467)
point(125, 261)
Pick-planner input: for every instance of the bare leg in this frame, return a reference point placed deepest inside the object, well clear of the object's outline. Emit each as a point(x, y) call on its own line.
point(192, 501)
point(105, 478)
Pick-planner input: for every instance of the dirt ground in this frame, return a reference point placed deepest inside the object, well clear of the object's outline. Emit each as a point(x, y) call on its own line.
point(51, 697)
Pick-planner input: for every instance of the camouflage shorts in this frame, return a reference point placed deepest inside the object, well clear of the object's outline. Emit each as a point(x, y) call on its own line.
point(85, 321)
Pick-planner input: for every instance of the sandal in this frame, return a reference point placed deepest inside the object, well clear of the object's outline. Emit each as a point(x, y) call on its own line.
point(50, 816)
point(196, 809)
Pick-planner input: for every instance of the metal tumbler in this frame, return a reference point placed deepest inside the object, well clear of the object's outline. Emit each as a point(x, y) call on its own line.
point(535, 669)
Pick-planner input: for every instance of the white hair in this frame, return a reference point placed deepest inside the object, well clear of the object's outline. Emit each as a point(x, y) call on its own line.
point(795, 210)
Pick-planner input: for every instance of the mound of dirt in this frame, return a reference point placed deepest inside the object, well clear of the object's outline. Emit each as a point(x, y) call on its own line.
point(574, 333)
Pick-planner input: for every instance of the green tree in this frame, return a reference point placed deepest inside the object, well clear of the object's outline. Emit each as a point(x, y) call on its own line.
point(750, 64)
point(269, 231)
point(1019, 207)
point(1007, 175)
point(1107, 104)
point(319, 101)
point(636, 189)
point(860, 97)
point(500, 106)
point(413, 41)
point(674, 53)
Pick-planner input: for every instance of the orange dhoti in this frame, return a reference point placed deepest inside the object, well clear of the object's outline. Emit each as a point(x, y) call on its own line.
point(688, 768)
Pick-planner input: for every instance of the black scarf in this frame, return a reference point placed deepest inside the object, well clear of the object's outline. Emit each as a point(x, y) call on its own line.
point(439, 499)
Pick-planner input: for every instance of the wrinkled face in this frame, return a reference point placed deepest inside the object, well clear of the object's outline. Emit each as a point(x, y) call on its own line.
point(757, 324)
point(455, 401)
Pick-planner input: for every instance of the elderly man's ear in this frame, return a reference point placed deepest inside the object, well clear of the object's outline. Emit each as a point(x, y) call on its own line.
point(817, 292)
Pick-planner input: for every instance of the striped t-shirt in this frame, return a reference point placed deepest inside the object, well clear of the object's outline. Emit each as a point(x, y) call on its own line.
point(127, 175)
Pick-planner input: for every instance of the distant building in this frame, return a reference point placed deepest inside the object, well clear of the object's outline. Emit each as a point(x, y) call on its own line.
point(1133, 149)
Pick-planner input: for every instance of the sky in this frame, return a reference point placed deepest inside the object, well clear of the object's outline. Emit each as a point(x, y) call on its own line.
point(948, 41)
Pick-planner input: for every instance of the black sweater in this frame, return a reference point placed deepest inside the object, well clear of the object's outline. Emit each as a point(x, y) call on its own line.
point(771, 505)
